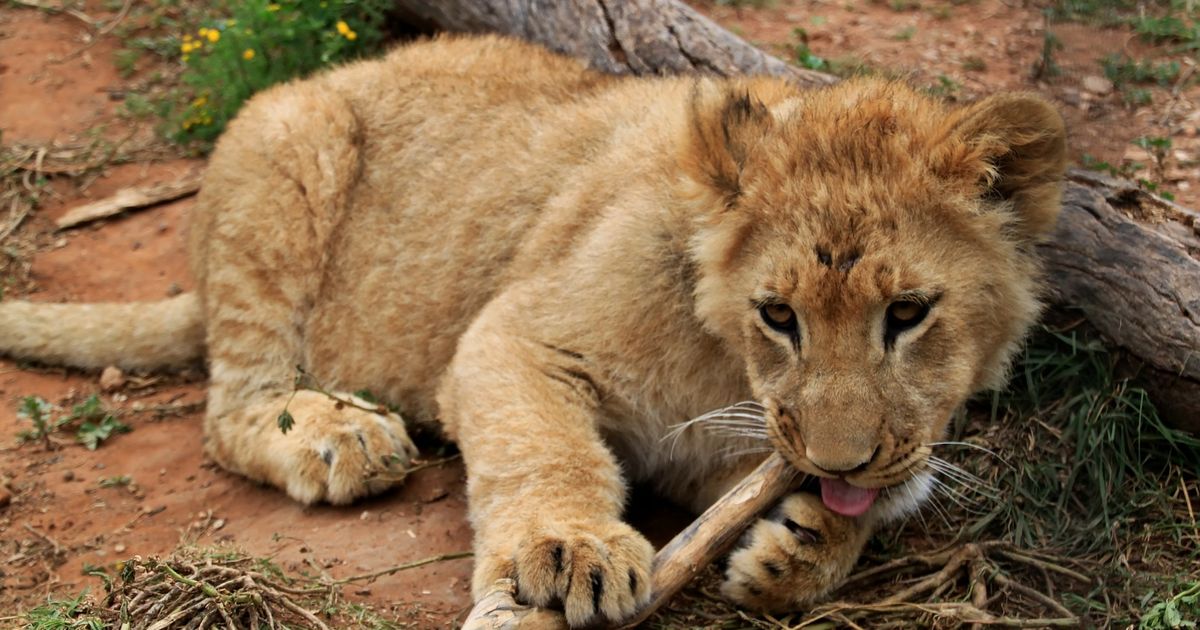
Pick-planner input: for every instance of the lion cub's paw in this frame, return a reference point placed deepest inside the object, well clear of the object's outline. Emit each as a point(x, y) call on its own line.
point(598, 572)
point(795, 556)
point(338, 452)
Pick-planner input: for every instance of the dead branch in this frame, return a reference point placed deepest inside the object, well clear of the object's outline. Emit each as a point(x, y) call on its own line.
point(130, 198)
point(675, 565)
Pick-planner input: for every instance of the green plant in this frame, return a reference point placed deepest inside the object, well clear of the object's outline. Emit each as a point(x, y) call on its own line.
point(1182, 610)
point(1122, 70)
point(1157, 147)
point(1158, 29)
point(805, 57)
point(126, 61)
point(37, 411)
point(1093, 163)
point(261, 43)
point(118, 481)
point(95, 422)
point(63, 614)
point(1045, 66)
point(974, 64)
point(905, 34)
point(136, 107)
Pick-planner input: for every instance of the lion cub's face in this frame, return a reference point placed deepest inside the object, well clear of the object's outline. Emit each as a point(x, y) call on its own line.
point(869, 253)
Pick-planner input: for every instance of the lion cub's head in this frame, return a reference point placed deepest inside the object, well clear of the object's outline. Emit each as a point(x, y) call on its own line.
point(869, 251)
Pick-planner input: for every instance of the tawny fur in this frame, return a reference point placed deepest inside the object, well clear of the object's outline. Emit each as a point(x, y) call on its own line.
point(557, 266)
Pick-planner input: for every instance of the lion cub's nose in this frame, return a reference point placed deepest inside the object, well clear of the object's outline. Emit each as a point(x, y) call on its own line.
point(850, 461)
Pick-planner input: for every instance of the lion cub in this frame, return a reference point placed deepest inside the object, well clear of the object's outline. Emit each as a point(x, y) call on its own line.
point(558, 268)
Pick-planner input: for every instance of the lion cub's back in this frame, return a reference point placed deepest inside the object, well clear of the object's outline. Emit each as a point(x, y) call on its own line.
point(398, 189)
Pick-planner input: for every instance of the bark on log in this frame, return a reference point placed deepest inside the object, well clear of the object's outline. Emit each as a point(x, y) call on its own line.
point(619, 36)
point(688, 553)
point(1128, 260)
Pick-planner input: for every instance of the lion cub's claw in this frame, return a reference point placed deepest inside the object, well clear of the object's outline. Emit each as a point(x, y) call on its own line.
point(792, 558)
point(597, 572)
point(338, 452)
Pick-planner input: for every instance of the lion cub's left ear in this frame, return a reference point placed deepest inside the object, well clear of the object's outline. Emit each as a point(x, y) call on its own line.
point(1016, 146)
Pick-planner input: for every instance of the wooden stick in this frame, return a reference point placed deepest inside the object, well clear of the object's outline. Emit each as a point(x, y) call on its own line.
point(675, 565)
point(129, 198)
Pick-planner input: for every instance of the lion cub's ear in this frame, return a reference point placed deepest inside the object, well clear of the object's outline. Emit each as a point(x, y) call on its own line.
point(1016, 144)
point(727, 123)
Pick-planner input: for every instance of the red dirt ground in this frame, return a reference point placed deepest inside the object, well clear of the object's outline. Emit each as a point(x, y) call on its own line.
point(55, 518)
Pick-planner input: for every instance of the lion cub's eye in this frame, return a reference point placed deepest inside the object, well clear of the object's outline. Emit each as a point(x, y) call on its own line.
point(779, 317)
point(901, 316)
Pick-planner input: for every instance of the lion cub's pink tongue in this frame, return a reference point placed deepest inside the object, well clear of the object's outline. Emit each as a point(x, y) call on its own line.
point(846, 499)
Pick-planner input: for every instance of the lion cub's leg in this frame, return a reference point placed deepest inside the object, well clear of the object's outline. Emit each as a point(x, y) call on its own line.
point(546, 494)
point(796, 555)
point(274, 193)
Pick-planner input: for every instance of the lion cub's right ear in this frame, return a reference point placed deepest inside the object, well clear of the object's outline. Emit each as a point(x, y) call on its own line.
point(727, 123)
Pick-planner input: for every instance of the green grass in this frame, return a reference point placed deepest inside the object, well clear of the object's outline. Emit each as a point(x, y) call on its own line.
point(1123, 70)
point(1084, 467)
point(64, 614)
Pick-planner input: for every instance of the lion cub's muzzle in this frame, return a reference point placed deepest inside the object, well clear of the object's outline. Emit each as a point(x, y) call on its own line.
point(852, 466)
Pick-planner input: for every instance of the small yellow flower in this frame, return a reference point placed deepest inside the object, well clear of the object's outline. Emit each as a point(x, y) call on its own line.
point(200, 101)
point(272, 7)
point(342, 27)
point(351, 36)
point(203, 32)
point(187, 37)
point(214, 35)
point(248, 54)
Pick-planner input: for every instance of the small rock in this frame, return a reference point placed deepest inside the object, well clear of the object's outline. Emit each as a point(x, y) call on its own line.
point(68, 475)
point(1097, 84)
point(364, 516)
point(119, 548)
point(112, 378)
point(174, 289)
point(5, 497)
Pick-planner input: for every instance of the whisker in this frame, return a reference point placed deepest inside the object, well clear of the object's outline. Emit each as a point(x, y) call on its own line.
point(760, 437)
point(962, 502)
point(746, 414)
point(976, 447)
point(747, 451)
point(958, 472)
point(964, 488)
point(920, 504)
point(741, 415)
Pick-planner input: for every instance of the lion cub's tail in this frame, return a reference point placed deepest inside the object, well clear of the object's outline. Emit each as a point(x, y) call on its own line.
point(136, 335)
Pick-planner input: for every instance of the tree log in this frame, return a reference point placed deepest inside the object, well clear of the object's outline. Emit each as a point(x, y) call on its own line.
point(1129, 261)
point(618, 36)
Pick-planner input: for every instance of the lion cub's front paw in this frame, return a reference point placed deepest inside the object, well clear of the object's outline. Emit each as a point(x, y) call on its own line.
point(337, 452)
point(797, 555)
point(598, 572)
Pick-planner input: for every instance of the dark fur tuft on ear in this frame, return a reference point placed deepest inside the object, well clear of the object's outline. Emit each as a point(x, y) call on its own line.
point(1017, 145)
point(727, 123)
